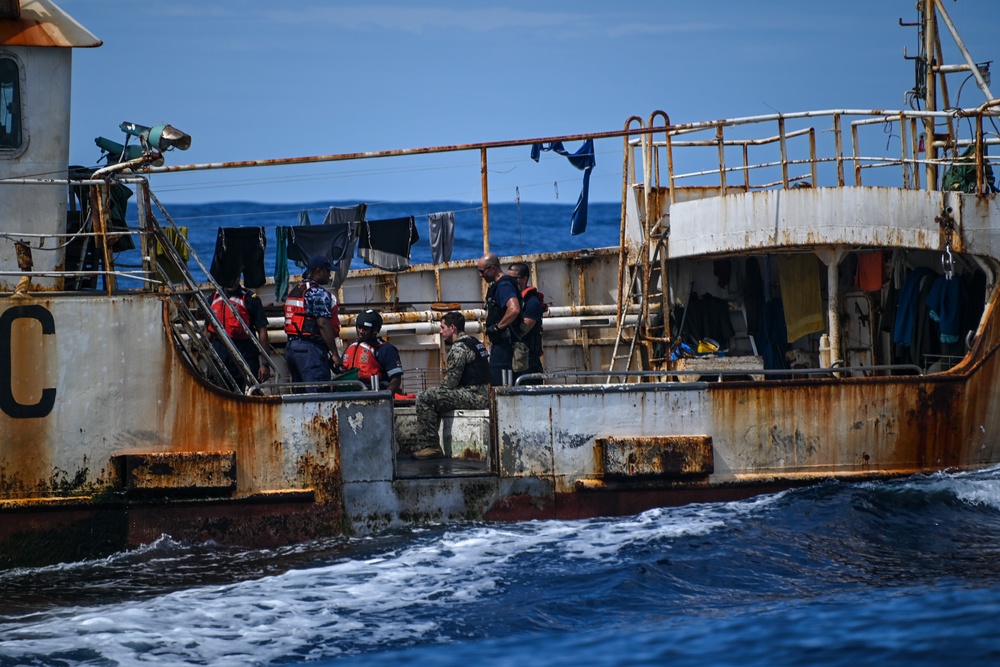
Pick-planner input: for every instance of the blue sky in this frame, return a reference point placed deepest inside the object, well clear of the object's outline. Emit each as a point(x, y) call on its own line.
point(256, 79)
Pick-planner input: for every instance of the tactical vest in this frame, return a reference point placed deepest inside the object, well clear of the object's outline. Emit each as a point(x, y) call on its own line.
point(494, 310)
point(533, 339)
point(478, 372)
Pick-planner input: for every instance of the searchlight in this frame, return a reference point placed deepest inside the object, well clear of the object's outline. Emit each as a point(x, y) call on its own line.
point(153, 141)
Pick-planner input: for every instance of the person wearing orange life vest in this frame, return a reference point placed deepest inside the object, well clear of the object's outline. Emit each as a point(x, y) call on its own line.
point(249, 311)
point(312, 326)
point(373, 356)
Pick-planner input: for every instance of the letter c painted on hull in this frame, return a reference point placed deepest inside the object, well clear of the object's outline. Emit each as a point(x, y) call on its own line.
point(7, 401)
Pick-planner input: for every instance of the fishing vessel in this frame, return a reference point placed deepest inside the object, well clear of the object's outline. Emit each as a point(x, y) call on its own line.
point(793, 299)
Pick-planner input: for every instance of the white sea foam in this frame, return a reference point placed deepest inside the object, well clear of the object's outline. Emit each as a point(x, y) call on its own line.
point(974, 487)
point(978, 487)
point(317, 612)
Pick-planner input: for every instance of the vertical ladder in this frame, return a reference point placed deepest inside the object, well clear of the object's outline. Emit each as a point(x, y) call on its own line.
point(624, 303)
point(642, 278)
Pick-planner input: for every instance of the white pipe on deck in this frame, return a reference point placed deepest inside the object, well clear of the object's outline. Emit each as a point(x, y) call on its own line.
point(431, 328)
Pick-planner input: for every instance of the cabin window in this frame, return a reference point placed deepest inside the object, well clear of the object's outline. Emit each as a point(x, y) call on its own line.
point(10, 104)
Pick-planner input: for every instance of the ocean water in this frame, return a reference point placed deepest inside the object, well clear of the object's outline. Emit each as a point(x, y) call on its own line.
point(897, 573)
point(514, 228)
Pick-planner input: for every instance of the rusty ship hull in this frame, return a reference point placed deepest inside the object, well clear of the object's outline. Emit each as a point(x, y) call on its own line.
point(120, 423)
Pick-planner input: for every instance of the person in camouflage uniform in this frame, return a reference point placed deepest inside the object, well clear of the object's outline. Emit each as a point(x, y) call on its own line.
point(466, 385)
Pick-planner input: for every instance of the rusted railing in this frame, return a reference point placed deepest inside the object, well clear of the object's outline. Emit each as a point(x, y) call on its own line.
point(770, 145)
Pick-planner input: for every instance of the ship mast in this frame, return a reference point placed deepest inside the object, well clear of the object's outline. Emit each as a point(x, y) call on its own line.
point(929, 67)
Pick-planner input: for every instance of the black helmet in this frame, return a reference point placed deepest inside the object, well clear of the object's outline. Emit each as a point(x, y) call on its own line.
point(370, 319)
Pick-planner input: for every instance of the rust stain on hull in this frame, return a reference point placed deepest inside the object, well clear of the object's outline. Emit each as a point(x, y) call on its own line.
point(676, 456)
point(179, 472)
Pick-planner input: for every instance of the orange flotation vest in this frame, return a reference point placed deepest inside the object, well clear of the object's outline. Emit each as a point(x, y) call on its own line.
point(361, 355)
point(225, 315)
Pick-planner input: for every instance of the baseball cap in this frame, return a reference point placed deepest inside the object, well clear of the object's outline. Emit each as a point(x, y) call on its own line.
point(320, 262)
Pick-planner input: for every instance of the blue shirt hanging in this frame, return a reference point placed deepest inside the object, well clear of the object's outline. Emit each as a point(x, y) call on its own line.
point(582, 159)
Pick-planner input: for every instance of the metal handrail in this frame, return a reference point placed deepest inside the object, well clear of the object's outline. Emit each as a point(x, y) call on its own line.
point(353, 385)
point(912, 369)
point(907, 158)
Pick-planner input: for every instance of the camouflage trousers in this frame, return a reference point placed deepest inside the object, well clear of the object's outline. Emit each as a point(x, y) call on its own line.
point(431, 403)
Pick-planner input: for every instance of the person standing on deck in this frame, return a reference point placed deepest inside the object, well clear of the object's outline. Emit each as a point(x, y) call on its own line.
point(466, 385)
point(532, 310)
point(503, 312)
point(373, 356)
point(312, 326)
point(250, 310)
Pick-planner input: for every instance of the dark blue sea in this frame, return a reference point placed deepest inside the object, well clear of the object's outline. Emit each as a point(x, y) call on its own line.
point(897, 573)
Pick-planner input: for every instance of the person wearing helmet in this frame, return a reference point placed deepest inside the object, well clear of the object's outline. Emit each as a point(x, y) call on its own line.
point(373, 356)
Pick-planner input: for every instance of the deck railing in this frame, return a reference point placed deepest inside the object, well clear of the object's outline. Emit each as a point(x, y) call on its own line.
point(799, 149)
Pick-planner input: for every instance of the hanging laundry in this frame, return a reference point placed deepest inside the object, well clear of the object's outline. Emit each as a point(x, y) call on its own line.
point(350, 216)
point(281, 264)
point(331, 241)
point(441, 230)
point(239, 250)
point(753, 294)
point(723, 270)
point(869, 277)
point(345, 214)
point(801, 298)
point(344, 266)
point(336, 239)
point(582, 159)
point(906, 308)
point(386, 244)
point(946, 304)
point(164, 262)
point(773, 337)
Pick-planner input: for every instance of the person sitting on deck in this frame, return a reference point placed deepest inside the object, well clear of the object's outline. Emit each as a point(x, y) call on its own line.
point(466, 385)
point(373, 356)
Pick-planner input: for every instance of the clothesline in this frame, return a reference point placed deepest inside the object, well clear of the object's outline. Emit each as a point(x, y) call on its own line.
point(314, 209)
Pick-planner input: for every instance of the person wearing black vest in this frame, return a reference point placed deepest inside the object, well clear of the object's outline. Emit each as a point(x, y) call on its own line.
point(503, 313)
point(533, 308)
point(466, 385)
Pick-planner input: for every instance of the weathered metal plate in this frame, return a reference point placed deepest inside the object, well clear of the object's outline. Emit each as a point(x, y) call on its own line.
point(179, 472)
point(673, 455)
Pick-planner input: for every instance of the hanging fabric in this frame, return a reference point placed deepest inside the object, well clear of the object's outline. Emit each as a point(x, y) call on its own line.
point(345, 214)
point(331, 241)
point(582, 159)
point(801, 298)
point(351, 216)
point(386, 244)
point(281, 264)
point(441, 231)
point(869, 276)
point(165, 264)
point(239, 250)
